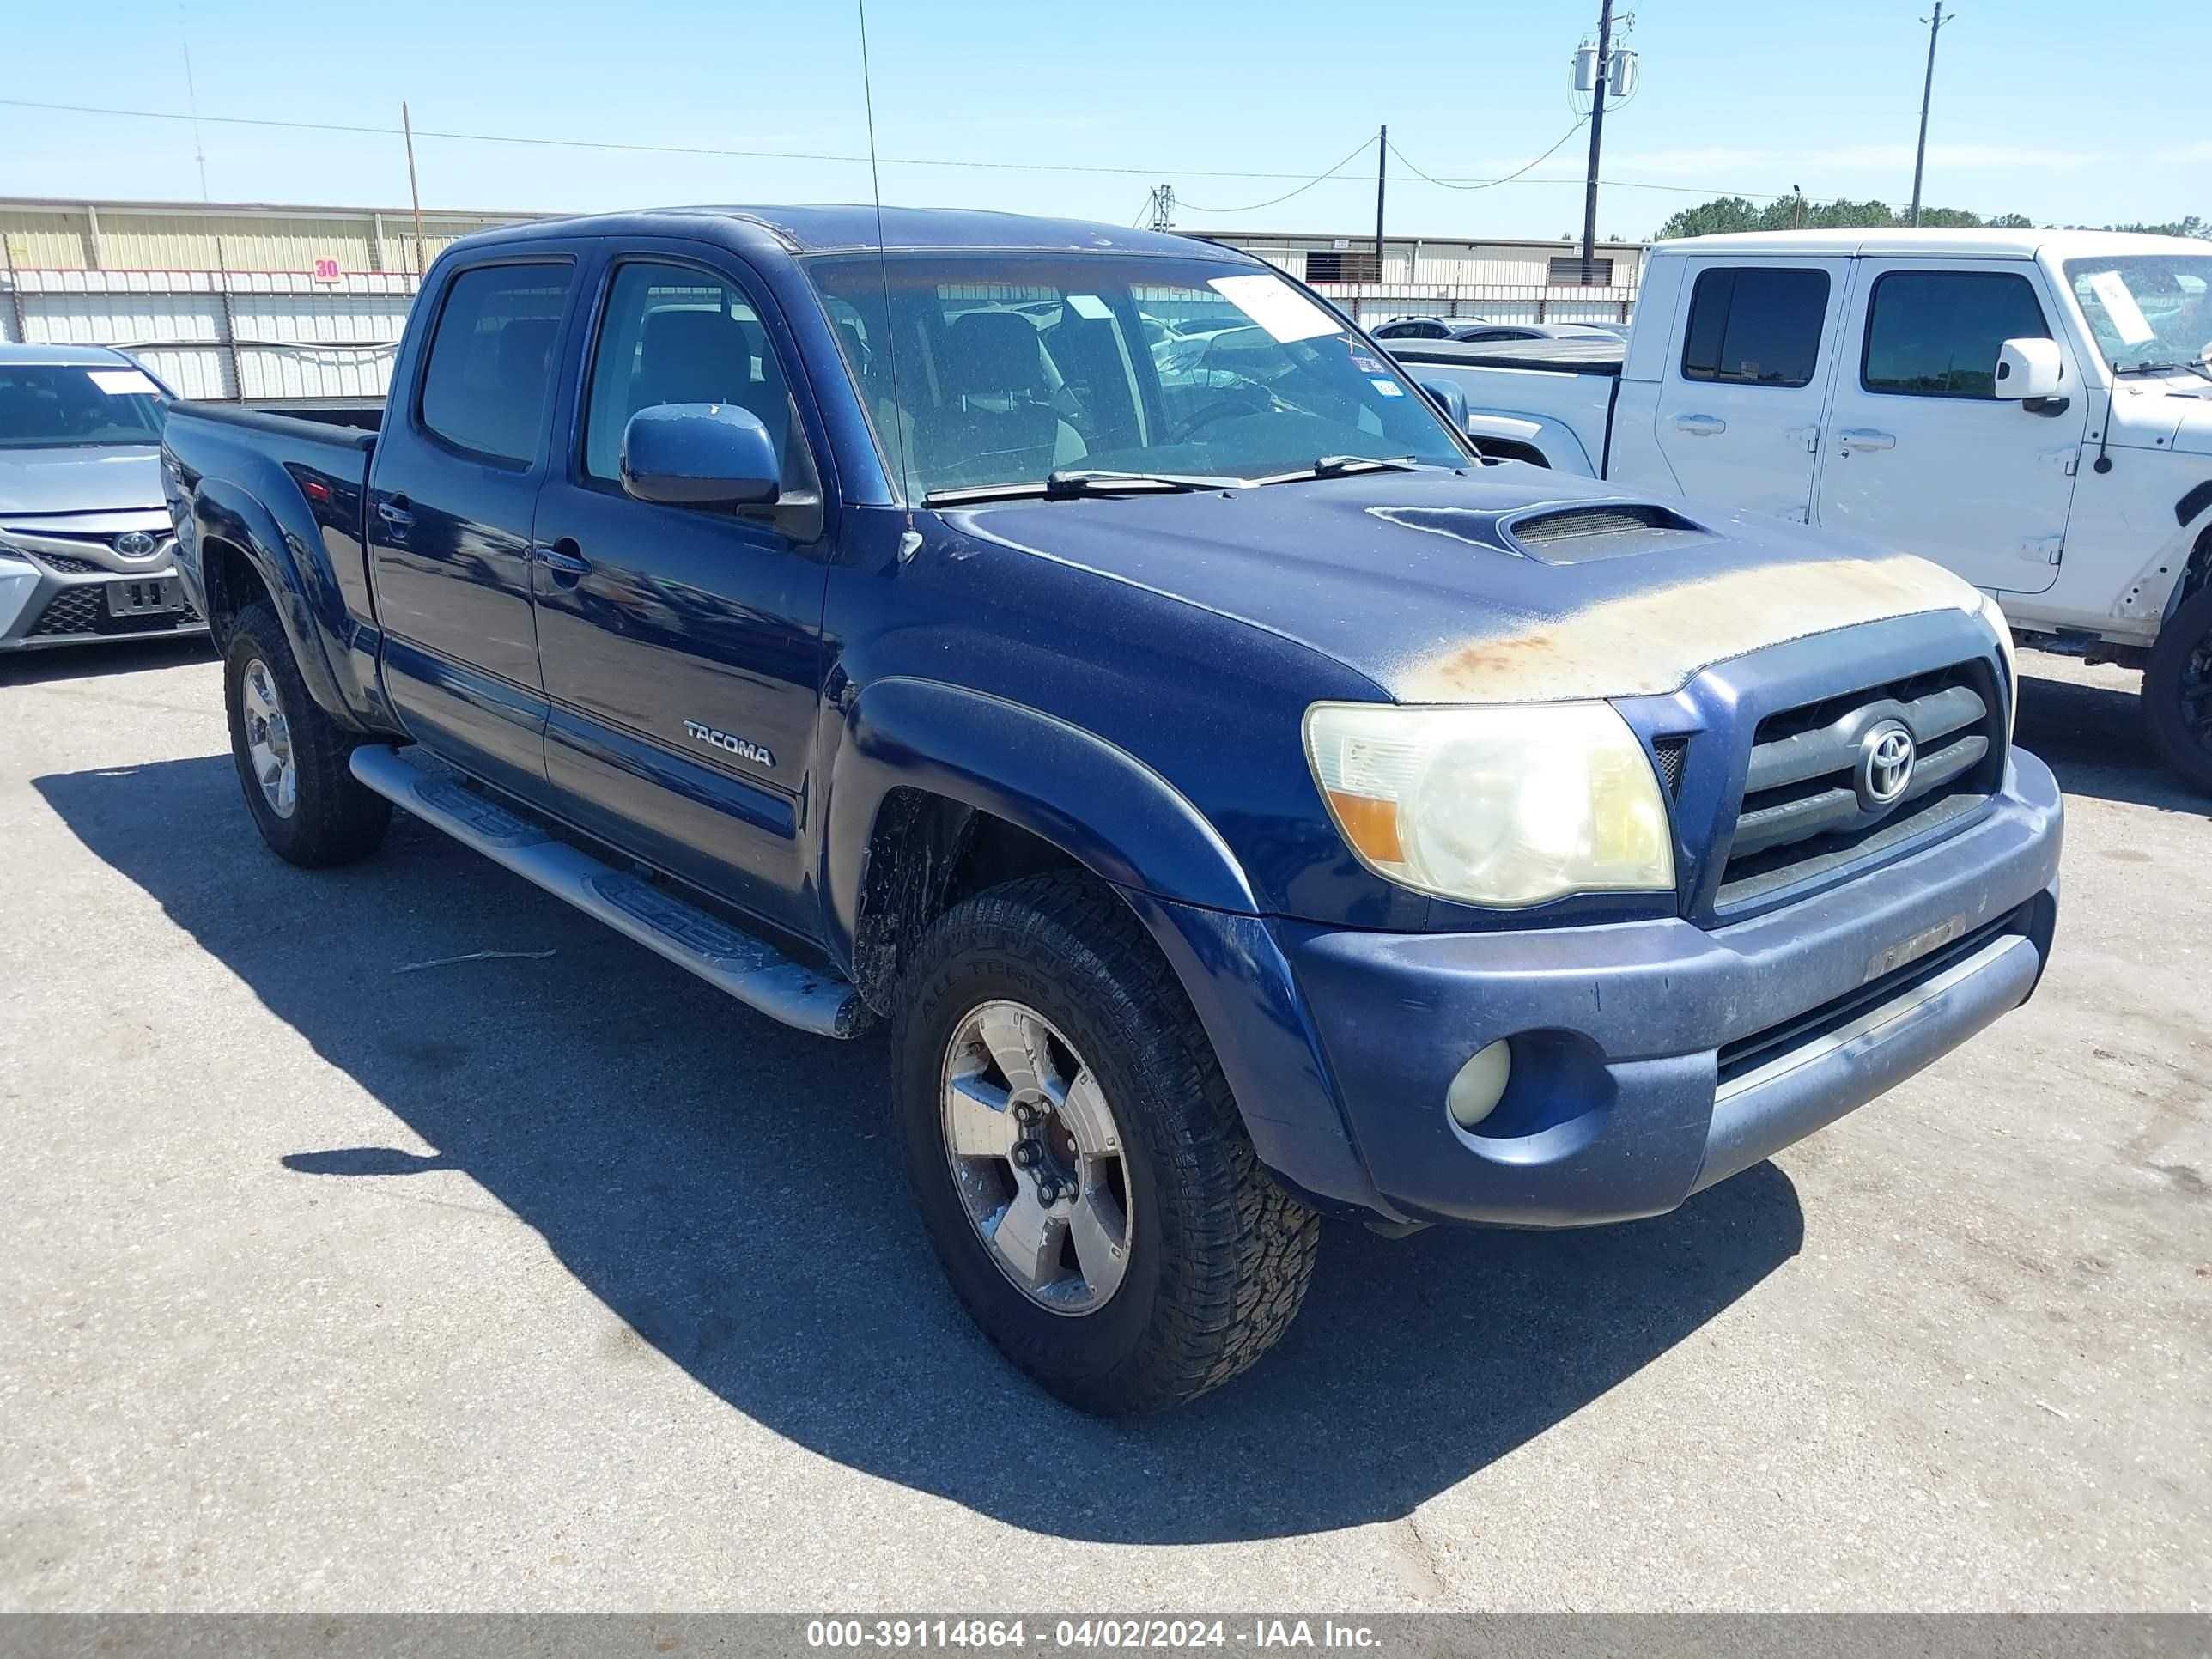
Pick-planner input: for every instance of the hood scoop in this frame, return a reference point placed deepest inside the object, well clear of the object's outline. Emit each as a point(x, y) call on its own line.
point(1607, 530)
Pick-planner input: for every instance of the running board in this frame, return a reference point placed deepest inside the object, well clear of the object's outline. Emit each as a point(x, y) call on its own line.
point(750, 969)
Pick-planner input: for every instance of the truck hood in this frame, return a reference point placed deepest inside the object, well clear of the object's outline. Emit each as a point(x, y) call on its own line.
point(2166, 411)
point(105, 478)
point(1415, 581)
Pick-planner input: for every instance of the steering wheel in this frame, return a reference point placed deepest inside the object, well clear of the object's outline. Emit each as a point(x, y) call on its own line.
point(1242, 401)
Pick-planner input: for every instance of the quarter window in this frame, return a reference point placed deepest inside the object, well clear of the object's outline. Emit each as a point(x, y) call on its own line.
point(1755, 327)
point(1936, 333)
point(675, 335)
point(491, 370)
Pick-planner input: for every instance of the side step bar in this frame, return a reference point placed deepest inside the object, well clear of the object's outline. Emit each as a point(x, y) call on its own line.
point(750, 969)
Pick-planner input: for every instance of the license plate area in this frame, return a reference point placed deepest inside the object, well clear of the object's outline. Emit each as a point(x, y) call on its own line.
point(148, 596)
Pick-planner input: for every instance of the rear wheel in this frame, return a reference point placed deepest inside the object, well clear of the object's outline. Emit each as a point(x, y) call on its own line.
point(1077, 1159)
point(291, 757)
point(2177, 690)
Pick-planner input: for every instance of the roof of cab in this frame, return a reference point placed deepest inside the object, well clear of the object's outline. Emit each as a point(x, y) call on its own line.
point(78, 356)
point(1932, 242)
point(852, 228)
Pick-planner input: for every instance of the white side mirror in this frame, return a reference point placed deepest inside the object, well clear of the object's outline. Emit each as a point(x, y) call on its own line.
point(2029, 369)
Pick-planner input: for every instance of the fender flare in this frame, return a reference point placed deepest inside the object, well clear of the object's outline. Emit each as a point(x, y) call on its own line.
point(309, 607)
point(1096, 802)
point(1554, 440)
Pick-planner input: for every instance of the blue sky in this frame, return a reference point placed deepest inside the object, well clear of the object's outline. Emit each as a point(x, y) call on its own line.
point(2045, 108)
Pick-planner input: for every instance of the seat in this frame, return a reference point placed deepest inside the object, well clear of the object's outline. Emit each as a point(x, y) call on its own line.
point(998, 427)
point(699, 356)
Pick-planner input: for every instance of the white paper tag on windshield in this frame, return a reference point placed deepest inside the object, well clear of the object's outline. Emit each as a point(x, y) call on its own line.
point(1090, 305)
point(1276, 307)
point(123, 382)
point(2112, 289)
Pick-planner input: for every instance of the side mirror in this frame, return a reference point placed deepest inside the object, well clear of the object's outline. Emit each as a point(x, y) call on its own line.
point(2029, 370)
point(1447, 396)
point(699, 455)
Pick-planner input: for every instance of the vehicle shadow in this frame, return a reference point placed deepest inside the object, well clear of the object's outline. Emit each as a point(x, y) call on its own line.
point(2098, 743)
point(85, 662)
point(731, 1191)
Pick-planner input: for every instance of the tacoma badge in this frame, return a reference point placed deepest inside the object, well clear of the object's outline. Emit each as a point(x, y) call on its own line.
point(743, 748)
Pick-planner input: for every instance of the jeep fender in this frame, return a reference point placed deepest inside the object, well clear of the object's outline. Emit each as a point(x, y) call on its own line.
point(1555, 440)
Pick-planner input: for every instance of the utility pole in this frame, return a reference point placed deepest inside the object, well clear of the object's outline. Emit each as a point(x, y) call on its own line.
point(1597, 139)
point(407, 126)
point(1927, 91)
point(1164, 207)
point(1382, 163)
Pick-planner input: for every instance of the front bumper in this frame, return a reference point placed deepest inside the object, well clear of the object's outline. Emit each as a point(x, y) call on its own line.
point(44, 603)
point(1652, 1058)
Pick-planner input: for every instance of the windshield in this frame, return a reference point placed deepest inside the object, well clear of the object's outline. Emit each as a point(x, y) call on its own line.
point(1010, 368)
point(2147, 308)
point(57, 405)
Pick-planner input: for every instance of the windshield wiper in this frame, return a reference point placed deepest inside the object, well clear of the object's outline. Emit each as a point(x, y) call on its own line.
point(2174, 367)
point(1336, 467)
point(1067, 485)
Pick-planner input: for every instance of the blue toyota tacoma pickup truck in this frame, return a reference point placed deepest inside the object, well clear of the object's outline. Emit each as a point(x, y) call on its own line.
point(1243, 803)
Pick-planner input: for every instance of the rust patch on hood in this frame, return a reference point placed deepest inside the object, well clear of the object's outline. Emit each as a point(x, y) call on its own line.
point(1650, 643)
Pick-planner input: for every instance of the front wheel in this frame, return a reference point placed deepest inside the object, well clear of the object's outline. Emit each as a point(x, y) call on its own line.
point(1077, 1158)
point(2177, 691)
point(292, 757)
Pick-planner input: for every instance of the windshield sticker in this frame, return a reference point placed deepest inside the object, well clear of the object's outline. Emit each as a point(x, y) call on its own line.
point(123, 382)
point(1090, 305)
point(1277, 306)
point(1389, 388)
point(2112, 289)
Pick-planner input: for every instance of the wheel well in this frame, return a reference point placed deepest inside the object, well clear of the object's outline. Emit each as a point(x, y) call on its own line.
point(2199, 571)
point(232, 584)
point(925, 854)
point(1509, 449)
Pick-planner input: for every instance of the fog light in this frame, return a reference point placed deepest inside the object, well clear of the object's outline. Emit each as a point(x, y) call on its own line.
point(1480, 1085)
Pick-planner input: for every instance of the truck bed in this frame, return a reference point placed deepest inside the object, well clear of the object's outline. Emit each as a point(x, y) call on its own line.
point(1559, 357)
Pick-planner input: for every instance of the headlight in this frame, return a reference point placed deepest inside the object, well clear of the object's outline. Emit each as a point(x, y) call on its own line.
point(1993, 614)
point(1500, 806)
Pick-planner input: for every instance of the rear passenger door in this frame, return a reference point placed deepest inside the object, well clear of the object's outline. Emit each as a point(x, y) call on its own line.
point(1922, 453)
point(682, 645)
point(454, 489)
point(1739, 410)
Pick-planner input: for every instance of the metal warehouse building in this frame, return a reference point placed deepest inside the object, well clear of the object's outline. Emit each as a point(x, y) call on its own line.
point(272, 304)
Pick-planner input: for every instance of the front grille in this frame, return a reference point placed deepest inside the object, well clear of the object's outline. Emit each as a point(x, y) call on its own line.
point(64, 564)
point(1802, 815)
point(83, 610)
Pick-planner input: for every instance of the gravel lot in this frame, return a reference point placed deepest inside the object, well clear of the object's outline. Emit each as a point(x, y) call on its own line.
point(562, 1282)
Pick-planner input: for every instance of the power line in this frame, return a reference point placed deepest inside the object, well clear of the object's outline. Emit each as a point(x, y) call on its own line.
point(1255, 206)
point(667, 149)
point(1487, 184)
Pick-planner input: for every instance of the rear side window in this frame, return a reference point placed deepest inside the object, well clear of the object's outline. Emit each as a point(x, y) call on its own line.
point(1755, 327)
point(1936, 333)
point(491, 370)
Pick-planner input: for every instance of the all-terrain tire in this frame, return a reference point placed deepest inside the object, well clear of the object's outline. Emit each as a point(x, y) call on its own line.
point(2177, 691)
point(333, 818)
point(1219, 1254)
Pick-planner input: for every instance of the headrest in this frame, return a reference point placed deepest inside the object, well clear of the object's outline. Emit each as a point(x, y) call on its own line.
point(991, 353)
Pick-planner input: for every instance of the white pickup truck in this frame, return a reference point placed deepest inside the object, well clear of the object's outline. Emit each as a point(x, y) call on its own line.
point(2032, 409)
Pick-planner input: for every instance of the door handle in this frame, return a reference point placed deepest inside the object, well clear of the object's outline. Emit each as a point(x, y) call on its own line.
point(1700, 425)
point(1863, 437)
point(565, 560)
point(394, 512)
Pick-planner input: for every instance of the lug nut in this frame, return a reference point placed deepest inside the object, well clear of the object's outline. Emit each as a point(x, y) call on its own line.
point(1027, 1154)
point(1025, 1112)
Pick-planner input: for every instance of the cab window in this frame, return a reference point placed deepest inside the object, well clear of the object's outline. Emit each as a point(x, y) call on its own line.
point(1936, 333)
point(1751, 326)
point(489, 372)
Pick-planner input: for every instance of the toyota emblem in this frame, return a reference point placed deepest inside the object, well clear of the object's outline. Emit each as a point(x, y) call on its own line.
point(135, 544)
point(1887, 753)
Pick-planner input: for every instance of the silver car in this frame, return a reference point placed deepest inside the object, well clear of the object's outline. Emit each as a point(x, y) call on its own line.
point(86, 553)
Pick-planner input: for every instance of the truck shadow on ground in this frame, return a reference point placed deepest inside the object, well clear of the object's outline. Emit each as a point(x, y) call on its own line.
point(2098, 743)
point(732, 1192)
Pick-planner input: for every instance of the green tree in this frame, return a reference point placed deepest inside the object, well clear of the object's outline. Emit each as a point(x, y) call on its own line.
point(1715, 218)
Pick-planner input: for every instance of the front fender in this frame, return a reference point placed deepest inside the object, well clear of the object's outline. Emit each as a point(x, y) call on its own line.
point(1555, 440)
point(290, 561)
point(1098, 804)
